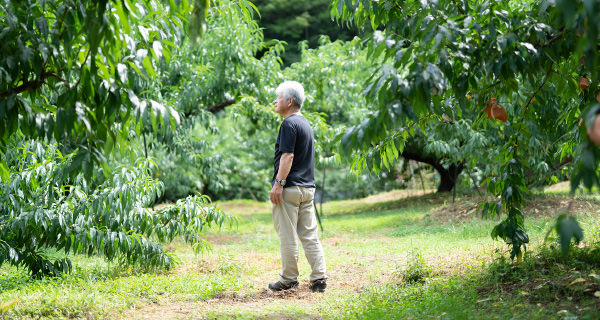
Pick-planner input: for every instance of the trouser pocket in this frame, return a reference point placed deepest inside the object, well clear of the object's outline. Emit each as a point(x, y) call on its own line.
point(292, 195)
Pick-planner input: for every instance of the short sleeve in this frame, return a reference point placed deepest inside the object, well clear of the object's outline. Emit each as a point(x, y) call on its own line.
point(287, 143)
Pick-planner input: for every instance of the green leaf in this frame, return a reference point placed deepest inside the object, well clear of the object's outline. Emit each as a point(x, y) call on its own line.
point(157, 49)
point(144, 32)
point(136, 68)
point(340, 7)
point(390, 152)
point(109, 143)
point(123, 72)
point(252, 6)
point(384, 159)
point(588, 159)
point(147, 63)
point(4, 172)
point(167, 54)
point(123, 18)
point(103, 70)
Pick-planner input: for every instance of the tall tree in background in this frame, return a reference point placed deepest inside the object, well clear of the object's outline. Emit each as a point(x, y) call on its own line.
point(298, 21)
point(213, 82)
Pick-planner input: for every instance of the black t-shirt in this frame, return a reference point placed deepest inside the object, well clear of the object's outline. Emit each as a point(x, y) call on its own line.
point(296, 136)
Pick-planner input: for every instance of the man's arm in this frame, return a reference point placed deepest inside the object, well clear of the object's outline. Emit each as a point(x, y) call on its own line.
point(285, 165)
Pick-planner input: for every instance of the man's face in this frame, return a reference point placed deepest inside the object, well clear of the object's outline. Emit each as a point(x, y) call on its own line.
point(282, 105)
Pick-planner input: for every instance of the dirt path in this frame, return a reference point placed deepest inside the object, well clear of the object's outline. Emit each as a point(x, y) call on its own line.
point(259, 302)
point(347, 279)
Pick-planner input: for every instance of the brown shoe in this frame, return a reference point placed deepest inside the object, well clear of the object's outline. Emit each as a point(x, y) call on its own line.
point(279, 286)
point(318, 285)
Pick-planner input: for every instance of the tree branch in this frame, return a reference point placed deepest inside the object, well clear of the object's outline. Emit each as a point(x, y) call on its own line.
point(493, 85)
point(398, 6)
point(31, 85)
point(54, 75)
point(213, 109)
point(218, 107)
point(461, 10)
point(60, 24)
point(564, 162)
point(487, 88)
point(26, 86)
point(447, 181)
point(529, 103)
point(556, 37)
point(538, 89)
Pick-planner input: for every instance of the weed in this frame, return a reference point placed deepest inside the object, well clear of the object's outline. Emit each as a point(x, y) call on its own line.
point(225, 264)
point(417, 270)
point(5, 306)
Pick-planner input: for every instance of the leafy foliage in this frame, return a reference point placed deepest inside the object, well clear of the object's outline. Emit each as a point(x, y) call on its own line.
point(84, 79)
point(305, 21)
point(226, 154)
point(451, 58)
point(333, 75)
point(42, 210)
point(213, 152)
point(76, 70)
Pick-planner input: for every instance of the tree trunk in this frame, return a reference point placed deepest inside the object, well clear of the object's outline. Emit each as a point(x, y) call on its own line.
point(447, 177)
point(447, 181)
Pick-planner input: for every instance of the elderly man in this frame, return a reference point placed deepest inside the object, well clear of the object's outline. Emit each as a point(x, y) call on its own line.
point(293, 191)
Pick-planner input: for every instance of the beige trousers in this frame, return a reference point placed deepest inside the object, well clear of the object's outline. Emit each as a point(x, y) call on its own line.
point(295, 219)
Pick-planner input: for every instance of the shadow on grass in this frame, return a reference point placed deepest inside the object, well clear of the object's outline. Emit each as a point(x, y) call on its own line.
point(351, 208)
point(395, 218)
point(356, 206)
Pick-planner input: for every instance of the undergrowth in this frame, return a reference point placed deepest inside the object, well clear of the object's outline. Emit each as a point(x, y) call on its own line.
point(546, 285)
point(551, 277)
point(417, 270)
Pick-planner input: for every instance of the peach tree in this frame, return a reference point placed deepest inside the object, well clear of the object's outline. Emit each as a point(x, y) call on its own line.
point(80, 80)
point(522, 73)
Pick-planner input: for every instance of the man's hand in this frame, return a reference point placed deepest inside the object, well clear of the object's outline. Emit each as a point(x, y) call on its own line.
point(276, 193)
point(285, 164)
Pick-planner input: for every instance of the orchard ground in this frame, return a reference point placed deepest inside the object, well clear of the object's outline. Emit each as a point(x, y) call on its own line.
point(402, 254)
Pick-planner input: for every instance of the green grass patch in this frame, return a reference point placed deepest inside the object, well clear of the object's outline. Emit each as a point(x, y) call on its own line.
point(546, 285)
point(99, 292)
point(410, 257)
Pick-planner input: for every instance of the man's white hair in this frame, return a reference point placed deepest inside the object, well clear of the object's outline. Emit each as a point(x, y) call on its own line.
point(292, 89)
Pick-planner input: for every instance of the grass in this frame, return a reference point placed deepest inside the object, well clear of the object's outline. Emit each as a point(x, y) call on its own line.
point(546, 286)
point(100, 292)
point(394, 256)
